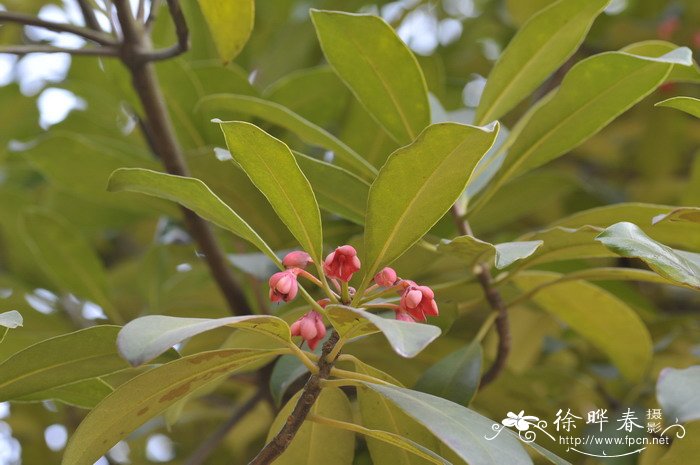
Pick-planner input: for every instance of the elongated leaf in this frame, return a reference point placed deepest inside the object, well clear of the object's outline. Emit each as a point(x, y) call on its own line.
point(603, 319)
point(627, 240)
point(145, 396)
point(683, 214)
point(337, 190)
point(230, 24)
point(316, 444)
point(284, 117)
point(147, 337)
point(541, 46)
point(407, 339)
point(84, 394)
point(59, 361)
point(474, 250)
point(378, 68)
point(593, 93)
point(678, 393)
point(461, 429)
point(455, 377)
point(417, 185)
point(689, 105)
point(68, 259)
point(190, 193)
point(395, 440)
point(657, 48)
point(271, 166)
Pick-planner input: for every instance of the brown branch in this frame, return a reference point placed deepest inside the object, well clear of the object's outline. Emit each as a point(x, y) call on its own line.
point(165, 145)
point(89, 15)
point(103, 51)
point(202, 453)
point(312, 389)
point(493, 297)
point(28, 20)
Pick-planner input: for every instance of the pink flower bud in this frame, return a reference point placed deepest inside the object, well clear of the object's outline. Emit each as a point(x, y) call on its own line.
point(296, 259)
point(404, 316)
point(418, 302)
point(342, 263)
point(310, 327)
point(386, 278)
point(283, 285)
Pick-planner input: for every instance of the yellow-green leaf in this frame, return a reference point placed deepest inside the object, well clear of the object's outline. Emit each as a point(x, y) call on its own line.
point(689, 105)
point(230, 23)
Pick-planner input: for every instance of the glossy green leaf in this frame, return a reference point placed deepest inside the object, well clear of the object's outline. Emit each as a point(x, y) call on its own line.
point(559, 243)
point(598, 316)
point(593, 93)
point(337, 190)
point(68, 259)
point(683, 214)
point(145, 338)
point(190, 193)
point(628, 240)
point(147, 395)
point(378, 68)
point(271, 166)
point(407, 339)
point(59, 361)
point(316, 444)
point(461, 429)
point(678, 393)
point(395, 440)
point(85, 394)
point(689, 105)
point(417, 185)
point(230, 24)
point(541, 46)
point(657, 48)
point(474, 250)
point(281, 116)
point(455, 377)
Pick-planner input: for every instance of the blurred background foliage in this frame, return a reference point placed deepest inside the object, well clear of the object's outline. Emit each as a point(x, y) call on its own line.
point(67, 123)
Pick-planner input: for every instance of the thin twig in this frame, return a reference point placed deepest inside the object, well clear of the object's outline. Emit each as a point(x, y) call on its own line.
point(89, 15)
point(28, 20)
point(152, 15)
point(312, 389)
point(165, 145)
point(206, 448)
point(90, 51)
point(495, 301)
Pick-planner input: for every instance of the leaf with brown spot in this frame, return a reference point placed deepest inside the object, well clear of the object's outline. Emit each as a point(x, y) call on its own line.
point(145, 396)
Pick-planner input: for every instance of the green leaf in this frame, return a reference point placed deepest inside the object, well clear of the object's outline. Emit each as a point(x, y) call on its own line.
point(378, 68)
point(230, 24)
point(657, 48)
point(316, 444)
point(678, 393)
point(145, 338)
point(417, 185)
point(190, 193)
point(461, 429)
point(474, 250)
point(541, 46)
point(83, 394)
point(683, 214)
point(284, 117)
point(68, 259)
point(559, 243)
point(593, 93)
point(689, 105)
point(287, 370)
point(627, 240)
point(147, 395)
point(271, 166)
point(407, 339)
point(455, 377)
point(604, 320)
point(59, 361)
point(395, 440)
point(337, 190)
